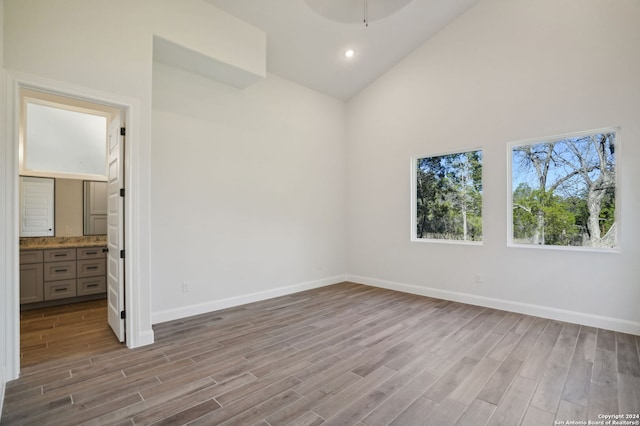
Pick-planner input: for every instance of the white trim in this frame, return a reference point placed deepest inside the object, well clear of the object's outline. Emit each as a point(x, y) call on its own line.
point(458, 242)
point(31, 98)
point(4, 287)
point(143, 338)
point(61, 175)
point(563, 136)
point(510, 145)
point(587, 249)
point(137, 292)
point(215, 305)
point(591, 320)
point(9, 252)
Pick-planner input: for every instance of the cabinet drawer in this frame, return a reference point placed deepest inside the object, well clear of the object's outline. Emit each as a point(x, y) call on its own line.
point(90, 253)
point(30, 256)
point(59, 289)
point(92, 285)
point(55, 271)
point(91, 267)
point(58, 255)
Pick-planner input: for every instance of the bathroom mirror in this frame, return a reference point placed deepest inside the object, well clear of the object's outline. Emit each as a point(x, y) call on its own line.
point(62, 207)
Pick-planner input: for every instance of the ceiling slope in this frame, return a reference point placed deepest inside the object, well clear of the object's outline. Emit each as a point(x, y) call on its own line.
point(308, 49)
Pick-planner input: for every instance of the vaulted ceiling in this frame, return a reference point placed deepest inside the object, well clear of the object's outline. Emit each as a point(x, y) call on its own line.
point(308, 48)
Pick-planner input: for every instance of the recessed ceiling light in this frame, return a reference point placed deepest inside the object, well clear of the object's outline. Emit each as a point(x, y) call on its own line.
point(349, 53)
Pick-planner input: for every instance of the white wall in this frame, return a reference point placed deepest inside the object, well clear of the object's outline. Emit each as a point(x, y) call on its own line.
point(104, 50)
point(69, 208)
point(507, 70)
point(248, 193)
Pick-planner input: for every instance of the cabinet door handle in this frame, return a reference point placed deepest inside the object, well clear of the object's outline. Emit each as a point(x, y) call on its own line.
point(57, 290)
point(91, 253)
point(61, 270)
point(60, 255)
point(92, 267)
point(92, 285)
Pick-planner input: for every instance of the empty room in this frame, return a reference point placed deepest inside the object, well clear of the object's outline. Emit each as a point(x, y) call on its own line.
point(360, 212)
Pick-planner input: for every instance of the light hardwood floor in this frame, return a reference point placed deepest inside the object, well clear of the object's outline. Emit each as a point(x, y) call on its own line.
point(343, 354)
point(64, 331)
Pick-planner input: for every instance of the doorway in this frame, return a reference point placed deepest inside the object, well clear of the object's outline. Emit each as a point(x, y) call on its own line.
point(90, 285)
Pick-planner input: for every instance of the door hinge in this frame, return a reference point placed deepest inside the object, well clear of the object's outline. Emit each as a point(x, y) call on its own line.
point(121, 254)
point(123, 131)
point(123, 315)
point(122, 192)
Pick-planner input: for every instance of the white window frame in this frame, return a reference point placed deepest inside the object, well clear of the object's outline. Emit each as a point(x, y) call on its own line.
point(555, 138)
point(413, 197)
point(29, 96)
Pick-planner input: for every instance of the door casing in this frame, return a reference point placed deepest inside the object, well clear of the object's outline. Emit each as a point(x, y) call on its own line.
point(138, 330)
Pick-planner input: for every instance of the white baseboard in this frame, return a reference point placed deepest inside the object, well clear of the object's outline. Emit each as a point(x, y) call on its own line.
point(215, 305)
point(591, 320)
point(142, 339)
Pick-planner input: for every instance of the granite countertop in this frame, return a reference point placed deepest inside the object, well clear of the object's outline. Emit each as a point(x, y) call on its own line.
point(39, 243)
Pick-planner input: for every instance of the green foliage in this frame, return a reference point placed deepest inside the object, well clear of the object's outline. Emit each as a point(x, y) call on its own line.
point(449, 196)
point(525, 210)
point(559, 224)
point(530, 206)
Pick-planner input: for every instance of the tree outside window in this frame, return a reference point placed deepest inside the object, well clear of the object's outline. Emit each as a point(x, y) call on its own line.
point(564, 191)
point(448, 197)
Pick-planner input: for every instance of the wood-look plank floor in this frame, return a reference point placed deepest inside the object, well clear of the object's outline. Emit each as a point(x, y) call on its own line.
point(65, 331)
point(344, 354)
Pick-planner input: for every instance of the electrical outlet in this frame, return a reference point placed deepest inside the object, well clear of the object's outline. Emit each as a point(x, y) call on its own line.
point(185, 287)
point(478, 278)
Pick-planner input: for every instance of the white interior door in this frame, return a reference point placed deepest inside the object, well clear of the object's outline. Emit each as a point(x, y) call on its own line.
point(115, 230)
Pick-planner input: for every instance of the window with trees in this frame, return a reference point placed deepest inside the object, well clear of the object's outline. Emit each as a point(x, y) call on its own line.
point(447, 197)
point(563, 191)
